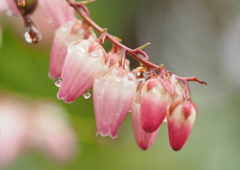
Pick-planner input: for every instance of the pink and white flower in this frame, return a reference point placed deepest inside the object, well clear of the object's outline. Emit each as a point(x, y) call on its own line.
point(13, 130)
point(3, 5)
point(58, 11)
point(51, 133)
point(154, 100)
point(180, 118)
point(143, 139)
point(70, 31)
point(84, 61)
point(113, 94)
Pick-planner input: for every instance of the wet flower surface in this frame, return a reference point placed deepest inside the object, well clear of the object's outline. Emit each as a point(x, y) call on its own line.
point(80, 66)
point(84, 61)
point(113, 94)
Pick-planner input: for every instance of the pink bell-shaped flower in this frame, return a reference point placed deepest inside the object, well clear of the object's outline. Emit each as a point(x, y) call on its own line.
point(113, 94)
point(154, 100)
point(85, 60)
point(71, 31)
point(58, 11)
point(3, 5)
point(13, 130)
point(143, 139)
point(180, 118)
point(51, 132)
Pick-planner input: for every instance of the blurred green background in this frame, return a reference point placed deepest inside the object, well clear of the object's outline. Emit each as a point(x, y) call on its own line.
point(192, 38)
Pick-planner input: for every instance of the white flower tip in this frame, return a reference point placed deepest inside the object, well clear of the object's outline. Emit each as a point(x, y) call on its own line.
point(110, 133)
point(51, 76)
point(60, 96)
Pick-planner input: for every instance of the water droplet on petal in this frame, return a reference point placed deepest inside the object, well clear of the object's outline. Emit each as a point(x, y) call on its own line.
point(58, 82)
point(50, 20)
point(130, 110)
point(147, 74)
point(138, 74)
point(9, 13)
point(142, 80)
point(87, 94)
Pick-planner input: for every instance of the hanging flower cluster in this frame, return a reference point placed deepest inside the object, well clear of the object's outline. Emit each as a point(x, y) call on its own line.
point(79, 62)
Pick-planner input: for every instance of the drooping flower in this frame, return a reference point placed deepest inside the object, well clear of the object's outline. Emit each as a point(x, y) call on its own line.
point(3, 5)
point(51, 132)
point(180, 118)
point(13, 130)
point(154, 100)
point(58, 11)
point(70, 31)
point(85, 59)
point(143, 139)
point(113, 94)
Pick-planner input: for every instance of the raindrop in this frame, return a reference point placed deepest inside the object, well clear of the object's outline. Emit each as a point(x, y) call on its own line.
point(32, 33)
point(87, 94)
point(139, 74)
point(9, 13)
point(58, 81)
point(130, 110)
point(147, 74)
point(50, 20)
point(142, 80)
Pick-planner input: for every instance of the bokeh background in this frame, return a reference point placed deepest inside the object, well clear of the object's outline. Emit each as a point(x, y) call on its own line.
point(192, 38)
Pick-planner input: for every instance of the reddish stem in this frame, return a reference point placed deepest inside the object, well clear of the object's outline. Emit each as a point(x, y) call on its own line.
point(123, 60)
point(82, 10)
point(134, 53)
point(194, 79)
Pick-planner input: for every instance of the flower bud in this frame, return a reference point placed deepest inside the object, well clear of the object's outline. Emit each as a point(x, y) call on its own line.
point(180, 118)
point(143, 139)
point(85, 59)
point(115, 57)
point(154, 100)
point(113, 94)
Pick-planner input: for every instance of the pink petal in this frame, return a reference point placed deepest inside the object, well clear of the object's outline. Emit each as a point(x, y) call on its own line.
point(13, 7)
point(58, 11)
point(79, 70)
point(51, 132)
point(63, 37)
point(112, 97)
point(143, 139)
point(13, 131)
point(3, 5)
